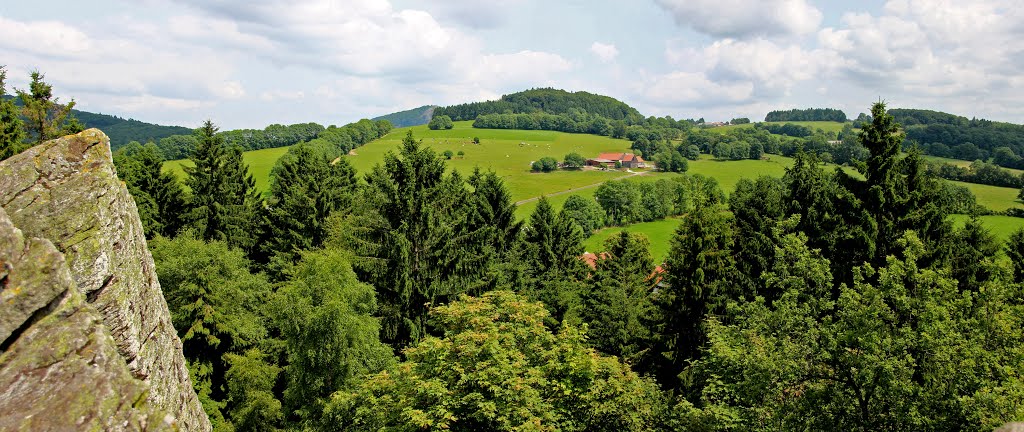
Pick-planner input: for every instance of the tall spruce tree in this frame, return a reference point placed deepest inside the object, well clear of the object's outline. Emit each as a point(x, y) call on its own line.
point(224, 196)
point(554, 246)
point(307, 185)
point(617, 301)
point(158, 194)
point(700, 274)
point(12, 129)
point(408, 232)
point(885, 187)
point(1015, 251)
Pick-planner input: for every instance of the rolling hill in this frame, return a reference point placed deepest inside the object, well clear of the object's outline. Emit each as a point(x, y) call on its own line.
point(411, 117)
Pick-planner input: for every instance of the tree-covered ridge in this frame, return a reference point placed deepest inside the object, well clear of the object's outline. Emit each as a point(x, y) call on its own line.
point(809, 114)
point(546, 100)
point(411, 117)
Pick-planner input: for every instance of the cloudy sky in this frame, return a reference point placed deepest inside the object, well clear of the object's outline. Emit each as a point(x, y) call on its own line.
point(249, 63)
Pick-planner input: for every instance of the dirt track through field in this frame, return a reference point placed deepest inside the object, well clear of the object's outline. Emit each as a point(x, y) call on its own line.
point(521, 202)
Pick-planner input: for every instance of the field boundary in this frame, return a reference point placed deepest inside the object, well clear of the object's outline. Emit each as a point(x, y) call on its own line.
point(575, 189)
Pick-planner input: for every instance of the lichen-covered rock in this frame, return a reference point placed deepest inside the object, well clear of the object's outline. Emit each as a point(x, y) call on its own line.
point(67, 191)
point(59, 367)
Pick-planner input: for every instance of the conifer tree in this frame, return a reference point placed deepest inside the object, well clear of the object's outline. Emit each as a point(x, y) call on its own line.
point(158, 195)
point(307, 185)
point(699, 273)
point(884, 185)
point(408, 232)
point(1015, 251)
point(45, 115)
point(224, 198)
point(617, 303)
point(12, 131)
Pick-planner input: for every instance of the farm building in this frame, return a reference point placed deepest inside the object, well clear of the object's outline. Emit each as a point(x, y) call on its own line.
point(627, 160)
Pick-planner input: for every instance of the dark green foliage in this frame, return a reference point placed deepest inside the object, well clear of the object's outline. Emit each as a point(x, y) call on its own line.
point(574, 160)
point(411, 240)
point(215, 306)
point(412, 117)
point(12, 131)
point(550, 101)
point(496, 367)
point(700, 276)
point(224, 199)
point(739, 120)
point(44, 114)
point(620, 201)
point(1015, 252)
point(545, 164)
point(788, 129)
point(978, 172)
point(809, 114)
point(948, 135)
point(554, 245)
point(331, 338)
point(494, 211)
point(973, 258)
point(307, 185)
point(757, 207)
point(882, 190)
point(617, 303)
point(586, 212)
point(440, 122)
point(692, 152)
point(158, 195)
point(448, 154)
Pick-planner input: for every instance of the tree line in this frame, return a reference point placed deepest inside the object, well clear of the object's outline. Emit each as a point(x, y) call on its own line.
point(808, 114)
point(546, 100)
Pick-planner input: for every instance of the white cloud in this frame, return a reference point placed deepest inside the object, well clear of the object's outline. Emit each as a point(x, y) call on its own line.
point(745, 18)
point(605, 52)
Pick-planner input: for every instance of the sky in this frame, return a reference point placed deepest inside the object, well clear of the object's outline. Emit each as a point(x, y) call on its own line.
point(251, 63)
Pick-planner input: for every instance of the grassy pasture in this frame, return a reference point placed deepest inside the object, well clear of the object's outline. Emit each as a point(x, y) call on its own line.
point(827, 126)
point(658, 233)
point(994, 197)
point(1000, 226)
point(260, 163)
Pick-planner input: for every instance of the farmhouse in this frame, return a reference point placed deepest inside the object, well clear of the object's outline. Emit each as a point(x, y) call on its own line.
point(626, 160)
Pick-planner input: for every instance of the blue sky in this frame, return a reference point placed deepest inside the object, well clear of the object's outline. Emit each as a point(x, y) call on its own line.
point(249, 63)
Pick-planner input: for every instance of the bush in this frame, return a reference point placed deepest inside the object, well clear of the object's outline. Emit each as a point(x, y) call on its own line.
point(448, 154)
point(440, 122)
point(545, 164)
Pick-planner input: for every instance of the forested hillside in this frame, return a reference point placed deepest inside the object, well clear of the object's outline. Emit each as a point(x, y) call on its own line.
point(549, 101)
point(412, 117)
point(809, 114)
point(951, 136)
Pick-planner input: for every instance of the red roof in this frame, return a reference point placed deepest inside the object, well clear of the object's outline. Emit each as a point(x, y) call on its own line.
point(624, 157)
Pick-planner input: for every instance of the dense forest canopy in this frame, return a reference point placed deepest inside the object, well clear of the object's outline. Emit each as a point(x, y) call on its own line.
point(808, 114)
point(546, 100)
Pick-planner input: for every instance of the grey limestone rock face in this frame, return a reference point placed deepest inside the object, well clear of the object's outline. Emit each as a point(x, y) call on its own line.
point(66, 192)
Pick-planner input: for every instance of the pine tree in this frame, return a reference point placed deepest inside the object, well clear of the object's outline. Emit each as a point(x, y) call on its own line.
point(307, 186)
point(617, 302)
point(699, 274)
point(884, 185)
point(12, 131)
point(224, 198)
point(45, 115)
point(408, 232)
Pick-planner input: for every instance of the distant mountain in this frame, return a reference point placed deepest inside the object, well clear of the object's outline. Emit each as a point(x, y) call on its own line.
point(412, 117)
point(120, 130)
point(549, 101)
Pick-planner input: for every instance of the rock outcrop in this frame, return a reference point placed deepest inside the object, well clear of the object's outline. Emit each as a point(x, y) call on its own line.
point(86, 340)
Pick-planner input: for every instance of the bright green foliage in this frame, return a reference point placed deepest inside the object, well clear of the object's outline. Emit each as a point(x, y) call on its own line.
point(158, 195)
point(250, 381)
point(325, 318)
point(544, 164)
point(224, 199)
point(906, 353)
point(441, 122)
point(617, 303)
point(411, 240)
point(586, 212)
point(574, 160)
point(700, 275)
point(620, 201)
point(214, 303)
point(307, 185)
point(498, 368)
point(12, 131)
point(44, 115)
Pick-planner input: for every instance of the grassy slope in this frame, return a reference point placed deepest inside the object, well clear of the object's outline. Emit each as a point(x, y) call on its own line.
point(658, 232)
point(1001, 226)
point(827, 126)
point(260, 162)
point(994, 197)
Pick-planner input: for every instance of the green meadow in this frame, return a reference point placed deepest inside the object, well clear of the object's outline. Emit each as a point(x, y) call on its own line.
point(994, 197)
point(658, 233)
point(1000, 226)
point(827, 126)
point(260, 163)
